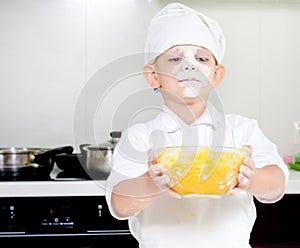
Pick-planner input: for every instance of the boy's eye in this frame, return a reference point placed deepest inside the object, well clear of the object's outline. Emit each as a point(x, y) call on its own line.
point(176, 59)
point(202, 59)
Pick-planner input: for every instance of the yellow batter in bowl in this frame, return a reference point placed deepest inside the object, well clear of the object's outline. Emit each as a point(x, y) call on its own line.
point(201, 171)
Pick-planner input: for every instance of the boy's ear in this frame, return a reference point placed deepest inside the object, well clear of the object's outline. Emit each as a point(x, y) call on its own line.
point(151, 76)
point(219, 75)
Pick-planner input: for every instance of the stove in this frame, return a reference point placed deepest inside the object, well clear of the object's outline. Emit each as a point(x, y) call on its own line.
point(63, 208)
point(59, 183)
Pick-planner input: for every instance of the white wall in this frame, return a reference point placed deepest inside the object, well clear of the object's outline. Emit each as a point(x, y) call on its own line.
point(58, 59)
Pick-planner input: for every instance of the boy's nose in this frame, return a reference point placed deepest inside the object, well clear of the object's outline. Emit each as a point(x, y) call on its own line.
point(188, 66)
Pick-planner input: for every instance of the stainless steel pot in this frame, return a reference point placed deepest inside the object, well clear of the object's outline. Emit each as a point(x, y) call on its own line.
point(99, 157)
point(18, 160)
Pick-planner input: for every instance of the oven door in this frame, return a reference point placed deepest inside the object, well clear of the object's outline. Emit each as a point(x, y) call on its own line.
point(79, 221)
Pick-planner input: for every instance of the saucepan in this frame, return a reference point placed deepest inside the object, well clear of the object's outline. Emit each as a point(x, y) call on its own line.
point(96, 160)
point(19, 160)
point(99, 157)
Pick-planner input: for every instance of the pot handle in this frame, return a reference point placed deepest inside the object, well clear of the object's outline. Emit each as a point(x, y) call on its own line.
point(82, 150)
point(42, 157)
point(115, 134)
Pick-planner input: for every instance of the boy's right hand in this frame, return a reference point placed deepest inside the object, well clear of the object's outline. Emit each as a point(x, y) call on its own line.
point(160, 179)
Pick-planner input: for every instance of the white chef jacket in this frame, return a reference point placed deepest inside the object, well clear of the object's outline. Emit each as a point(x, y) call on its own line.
point(191, 222)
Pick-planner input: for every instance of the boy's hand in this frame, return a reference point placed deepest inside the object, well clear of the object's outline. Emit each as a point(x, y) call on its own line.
point(160, 179)
point(246, 173)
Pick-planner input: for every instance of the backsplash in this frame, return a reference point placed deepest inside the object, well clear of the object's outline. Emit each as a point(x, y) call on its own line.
point(50, 51)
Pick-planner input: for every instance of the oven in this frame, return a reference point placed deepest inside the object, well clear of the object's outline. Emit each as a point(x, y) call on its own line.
point(58, 211)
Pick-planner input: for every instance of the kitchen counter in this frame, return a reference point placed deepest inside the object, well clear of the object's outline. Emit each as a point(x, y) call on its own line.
point(52, 188)
point(293, 185)
point(88, 187)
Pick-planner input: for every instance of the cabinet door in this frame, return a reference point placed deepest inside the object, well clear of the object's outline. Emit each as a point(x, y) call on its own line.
point(277, 224)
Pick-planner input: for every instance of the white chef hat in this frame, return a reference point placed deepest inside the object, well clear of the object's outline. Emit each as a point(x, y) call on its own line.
point(177, 24)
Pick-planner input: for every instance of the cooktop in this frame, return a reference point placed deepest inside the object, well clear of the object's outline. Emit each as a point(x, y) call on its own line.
point(59, 183)
point(56, 175)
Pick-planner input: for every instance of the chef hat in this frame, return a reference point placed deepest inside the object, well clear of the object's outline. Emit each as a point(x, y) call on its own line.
point(177, 24)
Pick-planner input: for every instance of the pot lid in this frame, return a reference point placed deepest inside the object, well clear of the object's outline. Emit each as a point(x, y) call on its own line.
point(103, 146)
point(22, 150)
point(108, 145)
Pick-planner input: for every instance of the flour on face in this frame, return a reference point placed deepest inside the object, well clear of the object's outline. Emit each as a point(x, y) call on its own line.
point(191, 74)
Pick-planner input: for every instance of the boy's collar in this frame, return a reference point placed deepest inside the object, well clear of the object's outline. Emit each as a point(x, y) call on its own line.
point(171, 122)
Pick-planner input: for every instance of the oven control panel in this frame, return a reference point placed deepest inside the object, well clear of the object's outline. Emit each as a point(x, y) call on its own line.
point(57, 215)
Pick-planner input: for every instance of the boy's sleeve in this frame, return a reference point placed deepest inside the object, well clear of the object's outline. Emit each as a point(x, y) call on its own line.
point(130, 160)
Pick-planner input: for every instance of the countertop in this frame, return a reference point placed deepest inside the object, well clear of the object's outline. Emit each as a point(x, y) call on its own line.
point(293, 185)
point(88, 187)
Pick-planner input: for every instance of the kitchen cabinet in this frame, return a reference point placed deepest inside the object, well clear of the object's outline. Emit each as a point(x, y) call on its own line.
point(277, 223)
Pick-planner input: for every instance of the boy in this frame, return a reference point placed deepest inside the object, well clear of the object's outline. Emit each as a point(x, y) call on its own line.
point(184, 51)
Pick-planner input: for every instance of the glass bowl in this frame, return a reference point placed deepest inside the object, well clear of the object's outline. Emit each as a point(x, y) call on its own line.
point(201, 171)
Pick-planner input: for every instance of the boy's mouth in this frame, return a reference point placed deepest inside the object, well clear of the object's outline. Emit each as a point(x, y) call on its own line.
point(189, 80)
point(191, 87)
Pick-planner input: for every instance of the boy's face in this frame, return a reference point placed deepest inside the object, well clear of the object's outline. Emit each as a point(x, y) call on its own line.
point(187, 72)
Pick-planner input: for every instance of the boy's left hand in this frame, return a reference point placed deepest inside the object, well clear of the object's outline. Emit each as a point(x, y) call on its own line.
point(246, 173)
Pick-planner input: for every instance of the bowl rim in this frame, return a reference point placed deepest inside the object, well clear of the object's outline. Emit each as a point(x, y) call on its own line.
point(197, 148)
point(202, 146)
